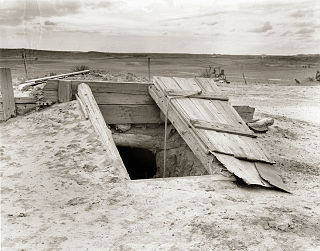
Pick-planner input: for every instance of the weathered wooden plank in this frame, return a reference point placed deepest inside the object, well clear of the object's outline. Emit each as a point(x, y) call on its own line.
point(103, 132)
point(113, 87)
point(245, 112)
point(189, 136)
point(106, 98)
point(271, 173)
point(23, 100)
point(64, 92)
point(220, 127)
point(9, 108)
point(82, 107)
point(143, 141)
point(236, 152)
point(130, 114)
point(243, 169)
point(51, 95)
point(51, 85)
point(195, 94)
point(58, 76)
point(208, 85)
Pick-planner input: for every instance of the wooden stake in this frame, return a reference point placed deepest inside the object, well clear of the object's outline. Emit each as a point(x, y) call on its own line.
point(149, 76)
point(25, 63)
point(9, 108)
point(245, 81)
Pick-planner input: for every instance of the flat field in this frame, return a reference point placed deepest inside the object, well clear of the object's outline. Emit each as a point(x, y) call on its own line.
point(282, 70)
point(57, 193)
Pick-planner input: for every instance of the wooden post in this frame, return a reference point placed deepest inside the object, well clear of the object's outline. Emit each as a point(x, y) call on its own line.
point(64, 91)
point(103, 132)
point(8, 104)
point(244, 77)
point(25, 63)
point(149, 76)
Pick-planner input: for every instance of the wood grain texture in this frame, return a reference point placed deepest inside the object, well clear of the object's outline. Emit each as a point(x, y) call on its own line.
point(64, 92)
point(218, 112)
point(270, 173)
point(151, 142)
point(196, 145)
point(242, 169)
point(111, 93)
point(195, 94)
point(106, 98)
point(130, 114)
point(220, 127)
point(8, 104)
point(238, 153)
point(100, 127)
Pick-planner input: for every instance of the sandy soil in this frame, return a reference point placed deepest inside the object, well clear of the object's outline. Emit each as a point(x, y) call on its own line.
point(57, 194)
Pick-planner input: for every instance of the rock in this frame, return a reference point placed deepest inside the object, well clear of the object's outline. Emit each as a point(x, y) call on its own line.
point(123, 127)
point(261, 125)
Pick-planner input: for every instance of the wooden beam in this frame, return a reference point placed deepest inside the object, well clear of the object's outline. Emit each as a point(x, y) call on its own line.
point(150, 142)
point(23, 100)
point(114, 87)
point(37, 81)
point(193, 94)
point(103, 132)
point(8, 106)
point(58, 76)
point(130, 114)
point(64, 92)
point(220, 127)
point(107, 98)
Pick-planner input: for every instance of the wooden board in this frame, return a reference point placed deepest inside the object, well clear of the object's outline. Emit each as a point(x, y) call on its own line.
point(8, 104)
point(246, 112)
point(103, 132)
point(238, 153)
point(101, 86)
point(130, 114)
point(129, 94)
point(106, 98)
point(64, 92)
point(220, 127)
point(195, 144)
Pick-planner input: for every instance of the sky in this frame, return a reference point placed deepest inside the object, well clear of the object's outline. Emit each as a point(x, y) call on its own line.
point(281, 27)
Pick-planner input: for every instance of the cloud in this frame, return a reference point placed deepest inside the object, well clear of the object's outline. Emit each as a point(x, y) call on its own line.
point(270, 33)
point(305, 31)
point(98, 5)
point(15, 12)
point(302, 13)
point(305, 24)
point(209, 14)
point(49, 23)
point(264, 28)
point(210, 23)
point(286, 33)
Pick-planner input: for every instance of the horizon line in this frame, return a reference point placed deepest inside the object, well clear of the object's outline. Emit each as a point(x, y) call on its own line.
point(180, 53)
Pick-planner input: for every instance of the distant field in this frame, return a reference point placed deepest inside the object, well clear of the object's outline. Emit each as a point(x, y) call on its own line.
point(257, 69)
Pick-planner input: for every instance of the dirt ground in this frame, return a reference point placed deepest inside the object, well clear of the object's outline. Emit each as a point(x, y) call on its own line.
point(58, 193)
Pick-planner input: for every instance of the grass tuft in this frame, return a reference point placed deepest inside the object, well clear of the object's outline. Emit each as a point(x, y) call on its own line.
point(81, 67)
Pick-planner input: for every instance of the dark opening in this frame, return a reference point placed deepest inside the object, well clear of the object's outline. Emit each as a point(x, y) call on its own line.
point(140, 163)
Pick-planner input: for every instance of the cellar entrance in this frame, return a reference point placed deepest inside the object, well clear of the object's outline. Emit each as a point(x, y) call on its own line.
point(140, 163)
